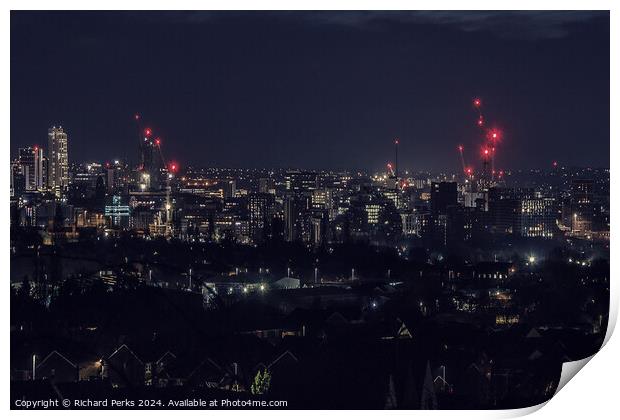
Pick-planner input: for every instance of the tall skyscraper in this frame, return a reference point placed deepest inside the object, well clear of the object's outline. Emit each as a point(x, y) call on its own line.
point(40, 167)
point(294, 207)
point(30, 161)
point(58, 160)
point(261, 209)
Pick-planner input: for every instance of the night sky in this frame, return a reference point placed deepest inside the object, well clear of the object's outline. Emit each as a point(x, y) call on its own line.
point(315, 90)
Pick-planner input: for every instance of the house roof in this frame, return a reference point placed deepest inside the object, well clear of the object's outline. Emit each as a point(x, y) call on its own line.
point(286, 355)
point(52, 354)
point(125, 347)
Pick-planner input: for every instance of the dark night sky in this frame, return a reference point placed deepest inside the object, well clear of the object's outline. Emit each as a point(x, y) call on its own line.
point(315, 90)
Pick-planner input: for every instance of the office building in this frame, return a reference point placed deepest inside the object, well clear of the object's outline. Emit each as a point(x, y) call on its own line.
point(58, 160)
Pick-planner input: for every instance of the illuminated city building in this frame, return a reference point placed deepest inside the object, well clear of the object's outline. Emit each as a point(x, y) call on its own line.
point(538, 217)
point(582, 206)
point(31, 163)
point(58, 160)
point(117, 212)
point(261, 210)
point(298, 181)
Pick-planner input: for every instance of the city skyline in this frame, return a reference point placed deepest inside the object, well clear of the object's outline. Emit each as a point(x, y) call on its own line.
point(225, 107)
point(306, 210)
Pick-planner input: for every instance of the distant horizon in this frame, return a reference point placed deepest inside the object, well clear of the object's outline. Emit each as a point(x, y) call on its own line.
point(451, 171)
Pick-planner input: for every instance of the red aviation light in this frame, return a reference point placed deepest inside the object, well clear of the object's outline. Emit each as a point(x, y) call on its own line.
point(174, 167)
point(36, 148)
point(494, 135)
point(147, 132)
point(158, 141)
point(460, 148)
point(477, 102)
point(480, 122)
point(396, 141)
point(136, 117)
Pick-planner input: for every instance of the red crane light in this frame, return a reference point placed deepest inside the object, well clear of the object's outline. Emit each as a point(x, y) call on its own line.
point(494, 135)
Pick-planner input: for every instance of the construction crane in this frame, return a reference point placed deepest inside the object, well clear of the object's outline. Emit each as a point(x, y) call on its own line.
point(147, 147)
point(468, 172)
point(493, 136)
point(491, 139)
point(396, 143)
point(170, 168)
